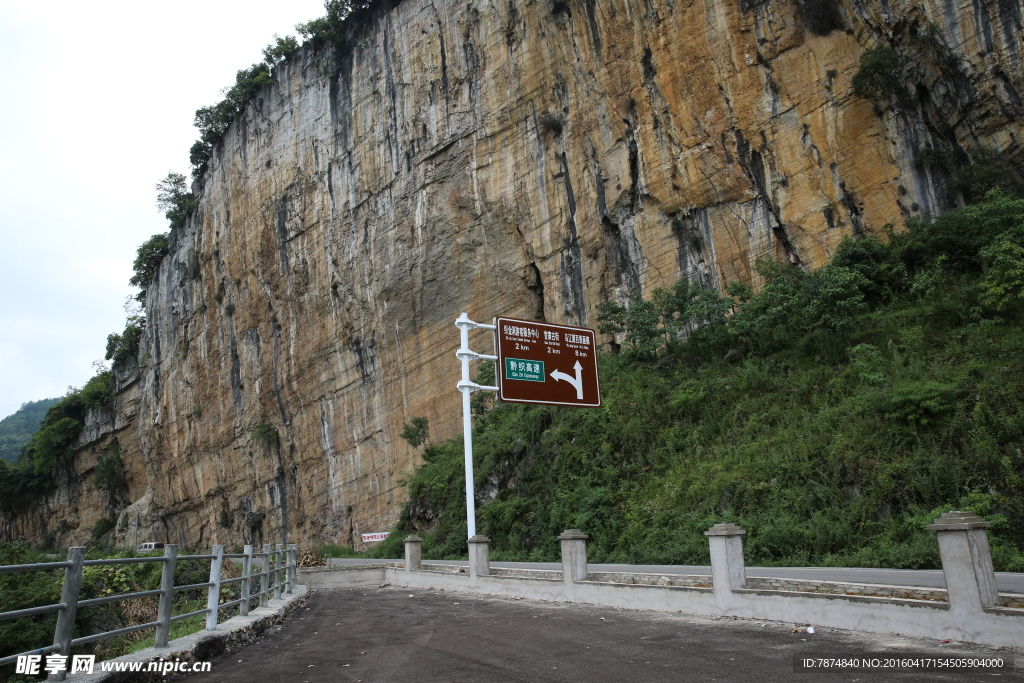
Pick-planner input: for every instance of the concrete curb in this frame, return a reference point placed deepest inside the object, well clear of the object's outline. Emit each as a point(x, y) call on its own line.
point(200, 646)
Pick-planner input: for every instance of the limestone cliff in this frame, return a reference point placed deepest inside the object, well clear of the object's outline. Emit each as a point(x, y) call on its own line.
point(529, 159)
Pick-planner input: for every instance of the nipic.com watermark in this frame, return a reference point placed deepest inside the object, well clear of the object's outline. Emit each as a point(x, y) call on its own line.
point(34, 665)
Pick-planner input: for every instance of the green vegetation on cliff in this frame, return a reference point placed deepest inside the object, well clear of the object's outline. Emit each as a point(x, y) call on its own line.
point(16, 429)
point(833, 415)
point(35, 470)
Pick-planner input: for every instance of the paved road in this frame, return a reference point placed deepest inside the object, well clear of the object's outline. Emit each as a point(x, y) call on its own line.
point(397, 635)
point(1007, 582)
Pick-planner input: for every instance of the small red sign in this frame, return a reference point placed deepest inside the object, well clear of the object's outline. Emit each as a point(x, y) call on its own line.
point(544, 363)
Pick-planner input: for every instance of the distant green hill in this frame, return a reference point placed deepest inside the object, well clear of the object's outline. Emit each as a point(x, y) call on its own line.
point(17, 429)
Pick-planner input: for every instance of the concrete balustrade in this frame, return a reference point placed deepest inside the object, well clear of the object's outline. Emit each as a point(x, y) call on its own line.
point(281, 578)
point(972, 613)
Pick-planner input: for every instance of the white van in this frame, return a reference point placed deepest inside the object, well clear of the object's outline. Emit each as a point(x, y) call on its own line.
point(145, 547)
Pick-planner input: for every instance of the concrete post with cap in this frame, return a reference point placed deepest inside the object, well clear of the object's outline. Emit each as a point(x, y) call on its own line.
point(728, 572)
point(966, 566)
point(413, 552)
point(479, 556)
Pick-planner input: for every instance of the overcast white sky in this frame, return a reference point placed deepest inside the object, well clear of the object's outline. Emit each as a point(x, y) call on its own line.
point(97, 106)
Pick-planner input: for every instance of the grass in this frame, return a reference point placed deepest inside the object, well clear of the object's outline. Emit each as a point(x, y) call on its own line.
point(336, 550)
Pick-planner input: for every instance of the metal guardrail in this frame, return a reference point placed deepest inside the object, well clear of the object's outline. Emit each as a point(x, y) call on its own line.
point(277, 574)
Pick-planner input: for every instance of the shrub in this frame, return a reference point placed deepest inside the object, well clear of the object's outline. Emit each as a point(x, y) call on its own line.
point(650, 327)
point(213, 121)
point(336, 550)
point(821, 17)
point(878, 76)
point(959, 236)
point(53, 444)
point(989, 169)
point(109, 472)
point(102, 526)
point(21, 590)
point(148, 258)
point(416, 431)
point(265, 434)
point(920, 401)
point(330, 28)
point(121, 347)
point(1003, 285)
point(280, 50)
point(938, 157)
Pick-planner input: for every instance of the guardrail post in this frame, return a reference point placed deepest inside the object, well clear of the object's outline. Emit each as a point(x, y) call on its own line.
point(163, 612)
point(574, 554)
point(413, 552)
point(966, 566)
point(279, 574)
point(265, 578)
point(64, 632)
point(479, 556)
point(728, 571)
point(574, 560)
point(290, 568)
point(246, 581)
point(213, 593)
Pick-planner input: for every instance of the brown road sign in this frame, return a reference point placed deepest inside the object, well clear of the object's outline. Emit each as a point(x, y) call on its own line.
point(544, 363)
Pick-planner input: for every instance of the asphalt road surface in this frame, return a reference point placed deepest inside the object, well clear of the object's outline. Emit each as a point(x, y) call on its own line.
point(1007, 582)
point(397, 635)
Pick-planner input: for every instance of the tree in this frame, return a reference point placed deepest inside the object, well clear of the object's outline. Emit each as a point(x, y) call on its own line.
point(174, 198)
point(147, 260)
point(280, 50)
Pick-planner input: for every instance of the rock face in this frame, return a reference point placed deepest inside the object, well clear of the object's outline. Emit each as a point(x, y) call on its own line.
point(530, 159)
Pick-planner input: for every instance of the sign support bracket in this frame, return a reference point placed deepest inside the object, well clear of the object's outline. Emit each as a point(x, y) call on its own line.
point(467, 387)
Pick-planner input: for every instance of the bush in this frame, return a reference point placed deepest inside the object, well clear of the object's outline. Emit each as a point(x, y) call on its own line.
point(109, 473)
point(265, 434)
point(330, 28)
point(280, 50)
point(53, 444)
point(959, 236)
point(939, 157)
point(878, 76)
point(821, 17)
point(335, 550)
point(21, 590)
point(989, 169)
point(102, 526)
point(213, 121)
point(416, 431)
point(651, 327)
point(862, 400)
point(148, 258)
point(121, 347)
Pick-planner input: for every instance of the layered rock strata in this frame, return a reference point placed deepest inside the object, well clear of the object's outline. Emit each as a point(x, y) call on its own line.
point(530, 159)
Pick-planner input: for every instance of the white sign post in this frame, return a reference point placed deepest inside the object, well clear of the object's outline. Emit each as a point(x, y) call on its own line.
point(467, 387)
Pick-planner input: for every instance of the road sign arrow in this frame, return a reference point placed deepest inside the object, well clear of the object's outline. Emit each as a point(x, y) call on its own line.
point(576, 381)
